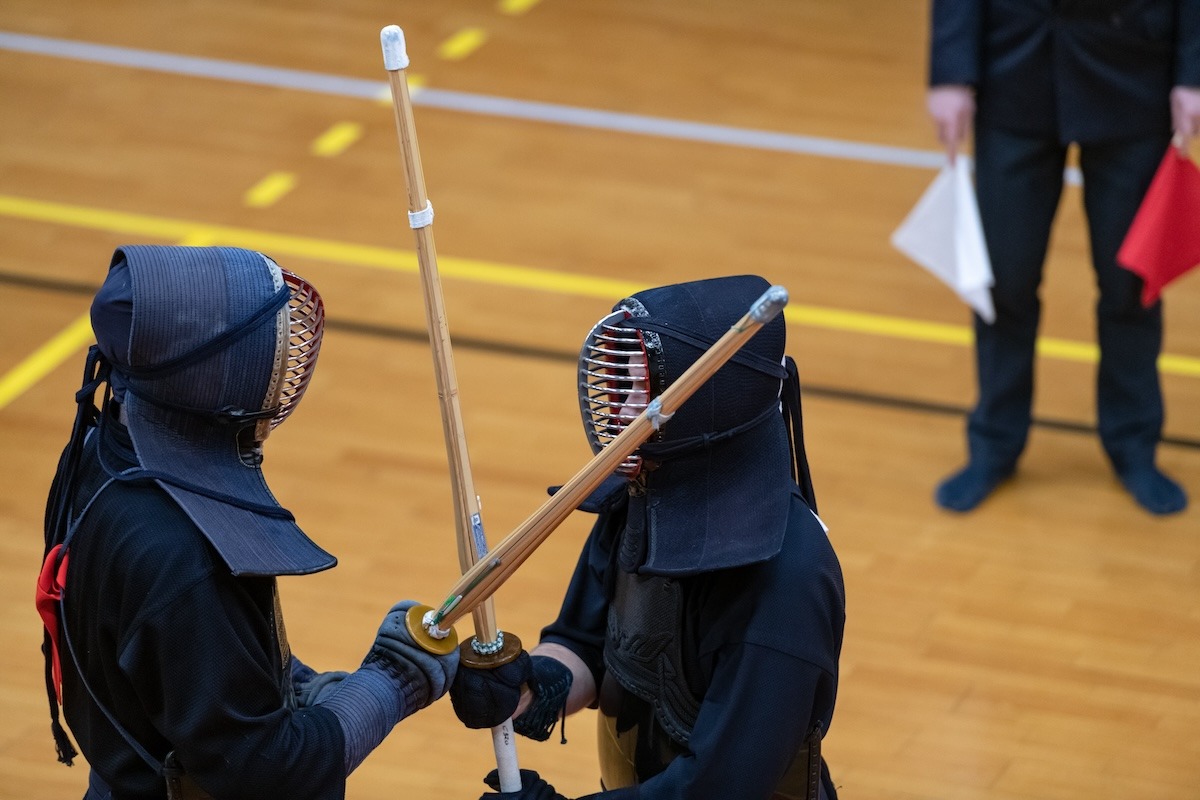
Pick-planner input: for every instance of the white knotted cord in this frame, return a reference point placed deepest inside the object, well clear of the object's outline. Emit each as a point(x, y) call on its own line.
point(656, 415)
point(489, 648)
point(434, 630)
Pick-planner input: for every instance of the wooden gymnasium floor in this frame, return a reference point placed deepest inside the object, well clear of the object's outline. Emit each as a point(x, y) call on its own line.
point(1046, 646)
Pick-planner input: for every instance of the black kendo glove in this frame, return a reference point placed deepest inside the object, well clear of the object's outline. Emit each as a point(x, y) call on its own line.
point(485, 698)
point(423, 676)
point(532, 788)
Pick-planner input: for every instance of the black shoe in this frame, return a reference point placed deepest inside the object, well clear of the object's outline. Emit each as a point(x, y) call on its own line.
point(1153, 490)
point(969, 487)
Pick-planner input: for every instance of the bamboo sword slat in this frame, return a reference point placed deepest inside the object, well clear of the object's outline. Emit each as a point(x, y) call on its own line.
point(467, 519)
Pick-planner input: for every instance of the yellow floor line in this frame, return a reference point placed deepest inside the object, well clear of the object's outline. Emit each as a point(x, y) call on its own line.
point(45, 359)
point(515, 7)
point(72, 339)
point(337, 139)
point(268, 191)
point(1068, 351)
point(143, 227)
point(462, 44)
point(878, 325)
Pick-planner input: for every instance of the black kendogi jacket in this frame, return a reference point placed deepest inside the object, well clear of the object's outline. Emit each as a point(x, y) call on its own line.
point(185, 655)
point(761, 643)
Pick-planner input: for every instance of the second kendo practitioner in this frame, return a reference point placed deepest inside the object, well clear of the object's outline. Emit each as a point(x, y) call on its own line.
point(164, 635)
point(704, 619)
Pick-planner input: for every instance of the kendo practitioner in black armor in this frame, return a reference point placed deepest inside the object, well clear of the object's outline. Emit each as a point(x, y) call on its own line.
point(704, 618)
point(164, 634)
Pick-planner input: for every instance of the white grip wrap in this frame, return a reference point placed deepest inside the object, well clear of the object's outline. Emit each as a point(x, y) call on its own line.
point(394, 55)
point(504, 743)
point(422, 219)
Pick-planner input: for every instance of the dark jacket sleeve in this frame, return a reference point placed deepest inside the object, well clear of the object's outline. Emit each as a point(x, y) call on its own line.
point(955, 42)
point(1187, 60)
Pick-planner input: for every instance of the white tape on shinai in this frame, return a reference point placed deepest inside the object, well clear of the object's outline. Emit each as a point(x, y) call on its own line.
point(394, 55)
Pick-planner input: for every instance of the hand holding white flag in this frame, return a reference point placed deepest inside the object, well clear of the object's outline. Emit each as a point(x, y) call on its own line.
point(944, 235)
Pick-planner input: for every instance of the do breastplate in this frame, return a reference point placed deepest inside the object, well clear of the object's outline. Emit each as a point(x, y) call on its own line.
point(644, 651)
point(645, 655)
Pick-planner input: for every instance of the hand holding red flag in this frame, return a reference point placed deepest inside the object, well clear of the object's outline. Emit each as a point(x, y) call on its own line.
point(1163, 241)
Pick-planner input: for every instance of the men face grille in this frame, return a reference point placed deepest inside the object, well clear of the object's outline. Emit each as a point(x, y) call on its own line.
point(614, 386)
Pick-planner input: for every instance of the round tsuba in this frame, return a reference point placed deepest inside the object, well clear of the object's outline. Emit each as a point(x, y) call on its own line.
point(414, 620)
point(469, 655)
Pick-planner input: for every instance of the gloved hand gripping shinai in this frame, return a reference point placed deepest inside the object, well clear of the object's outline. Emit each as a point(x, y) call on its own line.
point(484, 698)
point(396, 679)
point(533, 787)
point(422, 676)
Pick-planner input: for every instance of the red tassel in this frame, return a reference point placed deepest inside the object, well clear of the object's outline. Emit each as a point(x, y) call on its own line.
point(49, 592)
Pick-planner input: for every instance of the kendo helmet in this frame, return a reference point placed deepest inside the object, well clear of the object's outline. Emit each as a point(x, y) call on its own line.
point(711, 488)
point(208, 350)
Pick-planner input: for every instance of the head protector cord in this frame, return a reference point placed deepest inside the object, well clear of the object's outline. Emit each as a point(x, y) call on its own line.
point(712, 486)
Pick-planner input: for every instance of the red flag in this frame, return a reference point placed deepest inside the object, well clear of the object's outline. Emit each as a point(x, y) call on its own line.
point(1164, 240)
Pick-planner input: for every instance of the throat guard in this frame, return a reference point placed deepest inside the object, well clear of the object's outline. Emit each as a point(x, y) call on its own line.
point(207, 349)
point(713, 486)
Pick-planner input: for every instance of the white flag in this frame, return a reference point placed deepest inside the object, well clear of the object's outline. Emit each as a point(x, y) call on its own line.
point(944, 235)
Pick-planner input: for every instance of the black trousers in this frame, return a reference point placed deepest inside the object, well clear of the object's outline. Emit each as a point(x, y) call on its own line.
point(1019, 183)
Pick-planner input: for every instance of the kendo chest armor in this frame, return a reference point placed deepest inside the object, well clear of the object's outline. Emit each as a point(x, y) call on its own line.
point(647, 655)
